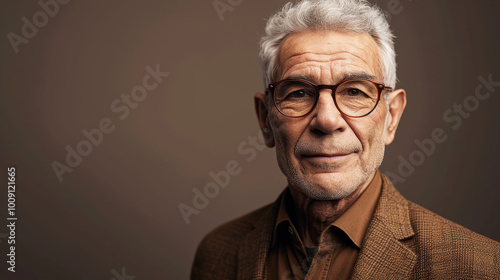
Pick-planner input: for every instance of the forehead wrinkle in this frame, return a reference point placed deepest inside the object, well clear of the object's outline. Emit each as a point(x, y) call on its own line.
point(313, 73)
point(354, 61)
point(293, 52)
point(306, 56)
point(351, 69)
point(327, 49)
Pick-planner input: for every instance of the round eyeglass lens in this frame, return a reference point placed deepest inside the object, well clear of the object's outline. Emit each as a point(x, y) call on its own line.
point(294, 98)
point(356, 98)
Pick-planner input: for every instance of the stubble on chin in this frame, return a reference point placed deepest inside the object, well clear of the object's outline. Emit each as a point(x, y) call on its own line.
point(341, 184)
point(338, 187)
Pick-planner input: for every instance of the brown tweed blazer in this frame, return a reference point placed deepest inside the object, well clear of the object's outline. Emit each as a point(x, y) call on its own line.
point(403, 241)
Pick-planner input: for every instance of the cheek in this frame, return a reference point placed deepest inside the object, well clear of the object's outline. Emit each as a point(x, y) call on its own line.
point(284, 146)
point(378, 142)
point(371, 133)
point(286, 135)
point(283, 139)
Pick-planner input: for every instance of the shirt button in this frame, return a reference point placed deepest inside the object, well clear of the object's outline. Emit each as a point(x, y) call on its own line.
point(290, 230)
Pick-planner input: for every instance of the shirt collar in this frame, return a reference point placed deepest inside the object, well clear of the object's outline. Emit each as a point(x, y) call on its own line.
point(283, 219)
point(356, 219)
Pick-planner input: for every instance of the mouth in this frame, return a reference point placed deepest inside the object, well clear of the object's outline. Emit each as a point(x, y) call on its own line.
point(327, 157)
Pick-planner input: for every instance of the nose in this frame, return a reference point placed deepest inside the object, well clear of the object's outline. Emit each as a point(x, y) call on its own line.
point(326, 117)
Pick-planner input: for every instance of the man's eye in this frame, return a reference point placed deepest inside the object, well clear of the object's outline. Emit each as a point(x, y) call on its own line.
point(355, 92)
point(297, 94)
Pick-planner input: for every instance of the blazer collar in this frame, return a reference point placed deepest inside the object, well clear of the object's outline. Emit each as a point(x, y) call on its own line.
point(383, 255)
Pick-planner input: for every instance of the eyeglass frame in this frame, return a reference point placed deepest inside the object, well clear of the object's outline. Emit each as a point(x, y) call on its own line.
point(380, 88)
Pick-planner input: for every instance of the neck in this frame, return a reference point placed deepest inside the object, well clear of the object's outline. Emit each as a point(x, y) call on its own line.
point(314, 216)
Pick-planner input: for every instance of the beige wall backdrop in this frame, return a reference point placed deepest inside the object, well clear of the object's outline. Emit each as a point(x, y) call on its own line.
point(77, 68)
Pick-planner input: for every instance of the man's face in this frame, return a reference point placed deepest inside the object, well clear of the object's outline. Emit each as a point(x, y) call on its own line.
point(326, 155)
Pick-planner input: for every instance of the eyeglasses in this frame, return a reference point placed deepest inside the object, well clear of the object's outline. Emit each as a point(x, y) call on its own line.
point(354, 98)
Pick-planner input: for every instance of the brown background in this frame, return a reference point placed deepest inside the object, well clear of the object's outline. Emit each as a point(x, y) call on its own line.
point(119, 207)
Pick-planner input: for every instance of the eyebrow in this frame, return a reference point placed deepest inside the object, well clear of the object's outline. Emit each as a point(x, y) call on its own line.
point(358, 76)
point(300, 77)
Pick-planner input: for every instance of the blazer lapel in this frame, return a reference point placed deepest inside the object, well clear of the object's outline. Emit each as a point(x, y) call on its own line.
point(252, 255)
point(383, 255)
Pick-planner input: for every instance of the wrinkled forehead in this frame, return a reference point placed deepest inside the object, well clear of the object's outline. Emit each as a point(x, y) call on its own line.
point(338, 53)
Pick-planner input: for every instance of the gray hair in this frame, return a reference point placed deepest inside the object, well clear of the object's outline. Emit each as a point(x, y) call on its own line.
point(344, 15)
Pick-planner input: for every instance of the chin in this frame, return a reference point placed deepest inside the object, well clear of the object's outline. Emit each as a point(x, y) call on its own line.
point(333, 187)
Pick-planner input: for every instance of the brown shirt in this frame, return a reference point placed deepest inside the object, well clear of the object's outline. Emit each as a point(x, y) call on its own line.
point(339, 244)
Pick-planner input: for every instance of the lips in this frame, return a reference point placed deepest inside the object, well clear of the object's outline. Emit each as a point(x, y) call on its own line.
point(319, 155)
point(326, 158)
point(337, 154)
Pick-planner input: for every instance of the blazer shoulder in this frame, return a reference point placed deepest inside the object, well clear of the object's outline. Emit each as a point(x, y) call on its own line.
point(232, 231)
point(423, 220)
point(222, 243)
point(443, 244)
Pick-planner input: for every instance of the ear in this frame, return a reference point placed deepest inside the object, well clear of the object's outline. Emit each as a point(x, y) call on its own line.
point(263, 118)
point(397, 104)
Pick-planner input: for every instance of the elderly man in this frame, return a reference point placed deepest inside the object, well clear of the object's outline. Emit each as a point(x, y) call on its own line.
point(330, 108)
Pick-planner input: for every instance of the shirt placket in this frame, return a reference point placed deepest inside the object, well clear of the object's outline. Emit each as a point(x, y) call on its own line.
point(299, 266)
point(321, 263)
